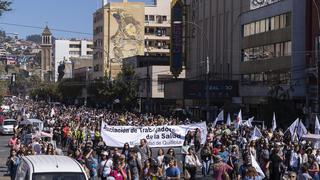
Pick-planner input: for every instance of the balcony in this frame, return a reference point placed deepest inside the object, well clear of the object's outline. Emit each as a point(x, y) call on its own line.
point(155, 37)
point(157, 24)
point(156, 50)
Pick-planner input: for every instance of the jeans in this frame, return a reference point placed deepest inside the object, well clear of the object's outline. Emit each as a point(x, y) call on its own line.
point(205, 167)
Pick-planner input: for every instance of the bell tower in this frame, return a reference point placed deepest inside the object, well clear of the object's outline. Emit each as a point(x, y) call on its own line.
point(46, 56)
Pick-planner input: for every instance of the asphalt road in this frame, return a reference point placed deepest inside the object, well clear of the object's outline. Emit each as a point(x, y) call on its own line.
point(4, 153)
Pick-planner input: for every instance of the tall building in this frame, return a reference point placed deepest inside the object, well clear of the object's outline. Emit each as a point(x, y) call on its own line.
point(64, 50)
point(313, 57)
point(262, 44)
point(273, 46)
point(46, 56)
point(157, 28)
point(118, 32)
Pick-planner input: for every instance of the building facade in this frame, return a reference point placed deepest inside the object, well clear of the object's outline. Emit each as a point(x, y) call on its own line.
point(157, 28)
point(262, 44)
point(118, 30)
point(64, 50)
point(313, 50)
point(152, 72)
point(47, 66)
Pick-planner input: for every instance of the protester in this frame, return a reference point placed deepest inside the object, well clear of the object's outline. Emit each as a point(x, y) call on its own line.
point(192, 163)
point(13, 163)
point(75, 131)
point(172, 172)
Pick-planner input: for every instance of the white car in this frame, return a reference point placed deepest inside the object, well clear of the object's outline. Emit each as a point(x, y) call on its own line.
point(6, 126)
point(50, 167)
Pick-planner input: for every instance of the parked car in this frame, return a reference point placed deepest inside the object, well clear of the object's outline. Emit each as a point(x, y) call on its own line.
point(50, 167)
point(7, 126)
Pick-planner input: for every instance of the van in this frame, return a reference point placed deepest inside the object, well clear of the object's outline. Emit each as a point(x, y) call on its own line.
point(7, 125)
point(49, 167)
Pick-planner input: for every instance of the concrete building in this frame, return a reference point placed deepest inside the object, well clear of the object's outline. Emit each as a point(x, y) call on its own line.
point(152, 72)
point(157, 28)
point(64, 50)
point(273, 46)
point(313, 55)
point(118, 32)
point(81, 66)
point(47, 66)
point(262, 45)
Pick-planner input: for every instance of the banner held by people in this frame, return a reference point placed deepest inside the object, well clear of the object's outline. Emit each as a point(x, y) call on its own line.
point(157, 136)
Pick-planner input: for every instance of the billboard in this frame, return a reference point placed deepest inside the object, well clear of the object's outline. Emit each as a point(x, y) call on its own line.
point(217, 89)
point(255, 4)
point(176, 37)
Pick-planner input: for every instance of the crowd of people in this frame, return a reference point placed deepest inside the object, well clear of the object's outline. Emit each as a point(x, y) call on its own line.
point(228, 153)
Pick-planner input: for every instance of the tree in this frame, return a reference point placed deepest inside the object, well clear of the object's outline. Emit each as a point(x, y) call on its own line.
point(34, 38)
point(4, 6)
point(126, 88)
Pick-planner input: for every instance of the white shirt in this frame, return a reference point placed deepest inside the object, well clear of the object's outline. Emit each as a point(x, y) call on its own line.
point(295, 159)
point(107, 167)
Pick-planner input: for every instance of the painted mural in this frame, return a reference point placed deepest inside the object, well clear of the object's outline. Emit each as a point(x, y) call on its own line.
point(128, 39)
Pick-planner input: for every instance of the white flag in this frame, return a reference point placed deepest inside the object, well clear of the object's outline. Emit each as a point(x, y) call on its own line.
point(52, 112)
point(297, 128)
point(228, 120)
point(218, 118)
point(248, 123)
point(255, 164)
point(238, 120)
point(317, 126)
point(256, 134)
point(274, 123)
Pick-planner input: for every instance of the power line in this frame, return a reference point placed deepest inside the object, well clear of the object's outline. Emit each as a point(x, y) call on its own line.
point(37, 27)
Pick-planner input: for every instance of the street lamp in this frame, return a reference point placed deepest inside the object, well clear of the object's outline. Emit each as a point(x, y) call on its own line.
point(207, 61)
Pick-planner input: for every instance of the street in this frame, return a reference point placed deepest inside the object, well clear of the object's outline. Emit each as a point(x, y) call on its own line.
point(4, 153)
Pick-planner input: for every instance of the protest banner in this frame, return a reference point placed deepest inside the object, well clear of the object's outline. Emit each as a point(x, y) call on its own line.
point(156, 136)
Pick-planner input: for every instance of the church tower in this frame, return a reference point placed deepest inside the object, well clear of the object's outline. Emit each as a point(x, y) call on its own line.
point(46, 56)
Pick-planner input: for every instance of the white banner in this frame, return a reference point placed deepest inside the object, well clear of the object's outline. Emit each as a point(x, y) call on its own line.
point(156, 136)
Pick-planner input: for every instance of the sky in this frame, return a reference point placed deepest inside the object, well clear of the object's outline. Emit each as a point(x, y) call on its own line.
point(69, 15)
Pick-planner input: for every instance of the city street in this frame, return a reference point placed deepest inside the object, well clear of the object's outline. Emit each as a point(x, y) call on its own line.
point(4, 153)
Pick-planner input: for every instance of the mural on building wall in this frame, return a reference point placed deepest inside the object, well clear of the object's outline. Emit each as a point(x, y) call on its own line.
point(129, 37)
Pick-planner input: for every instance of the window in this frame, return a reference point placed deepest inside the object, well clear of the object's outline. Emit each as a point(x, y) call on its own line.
point(278, 50)
point(74, 46)
point(287, 49)
point(267, 24)
point(263, 26)
point(272, 24)
point(164, 18)
point(146, 17)
point(160, 86)
point(257, 27)
point(151, 17)
point(159, 20)
point(257, 52)
point(252, 28)
point(276, 22)
point(246, 30)
point(282, 21)
point(268, 51)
